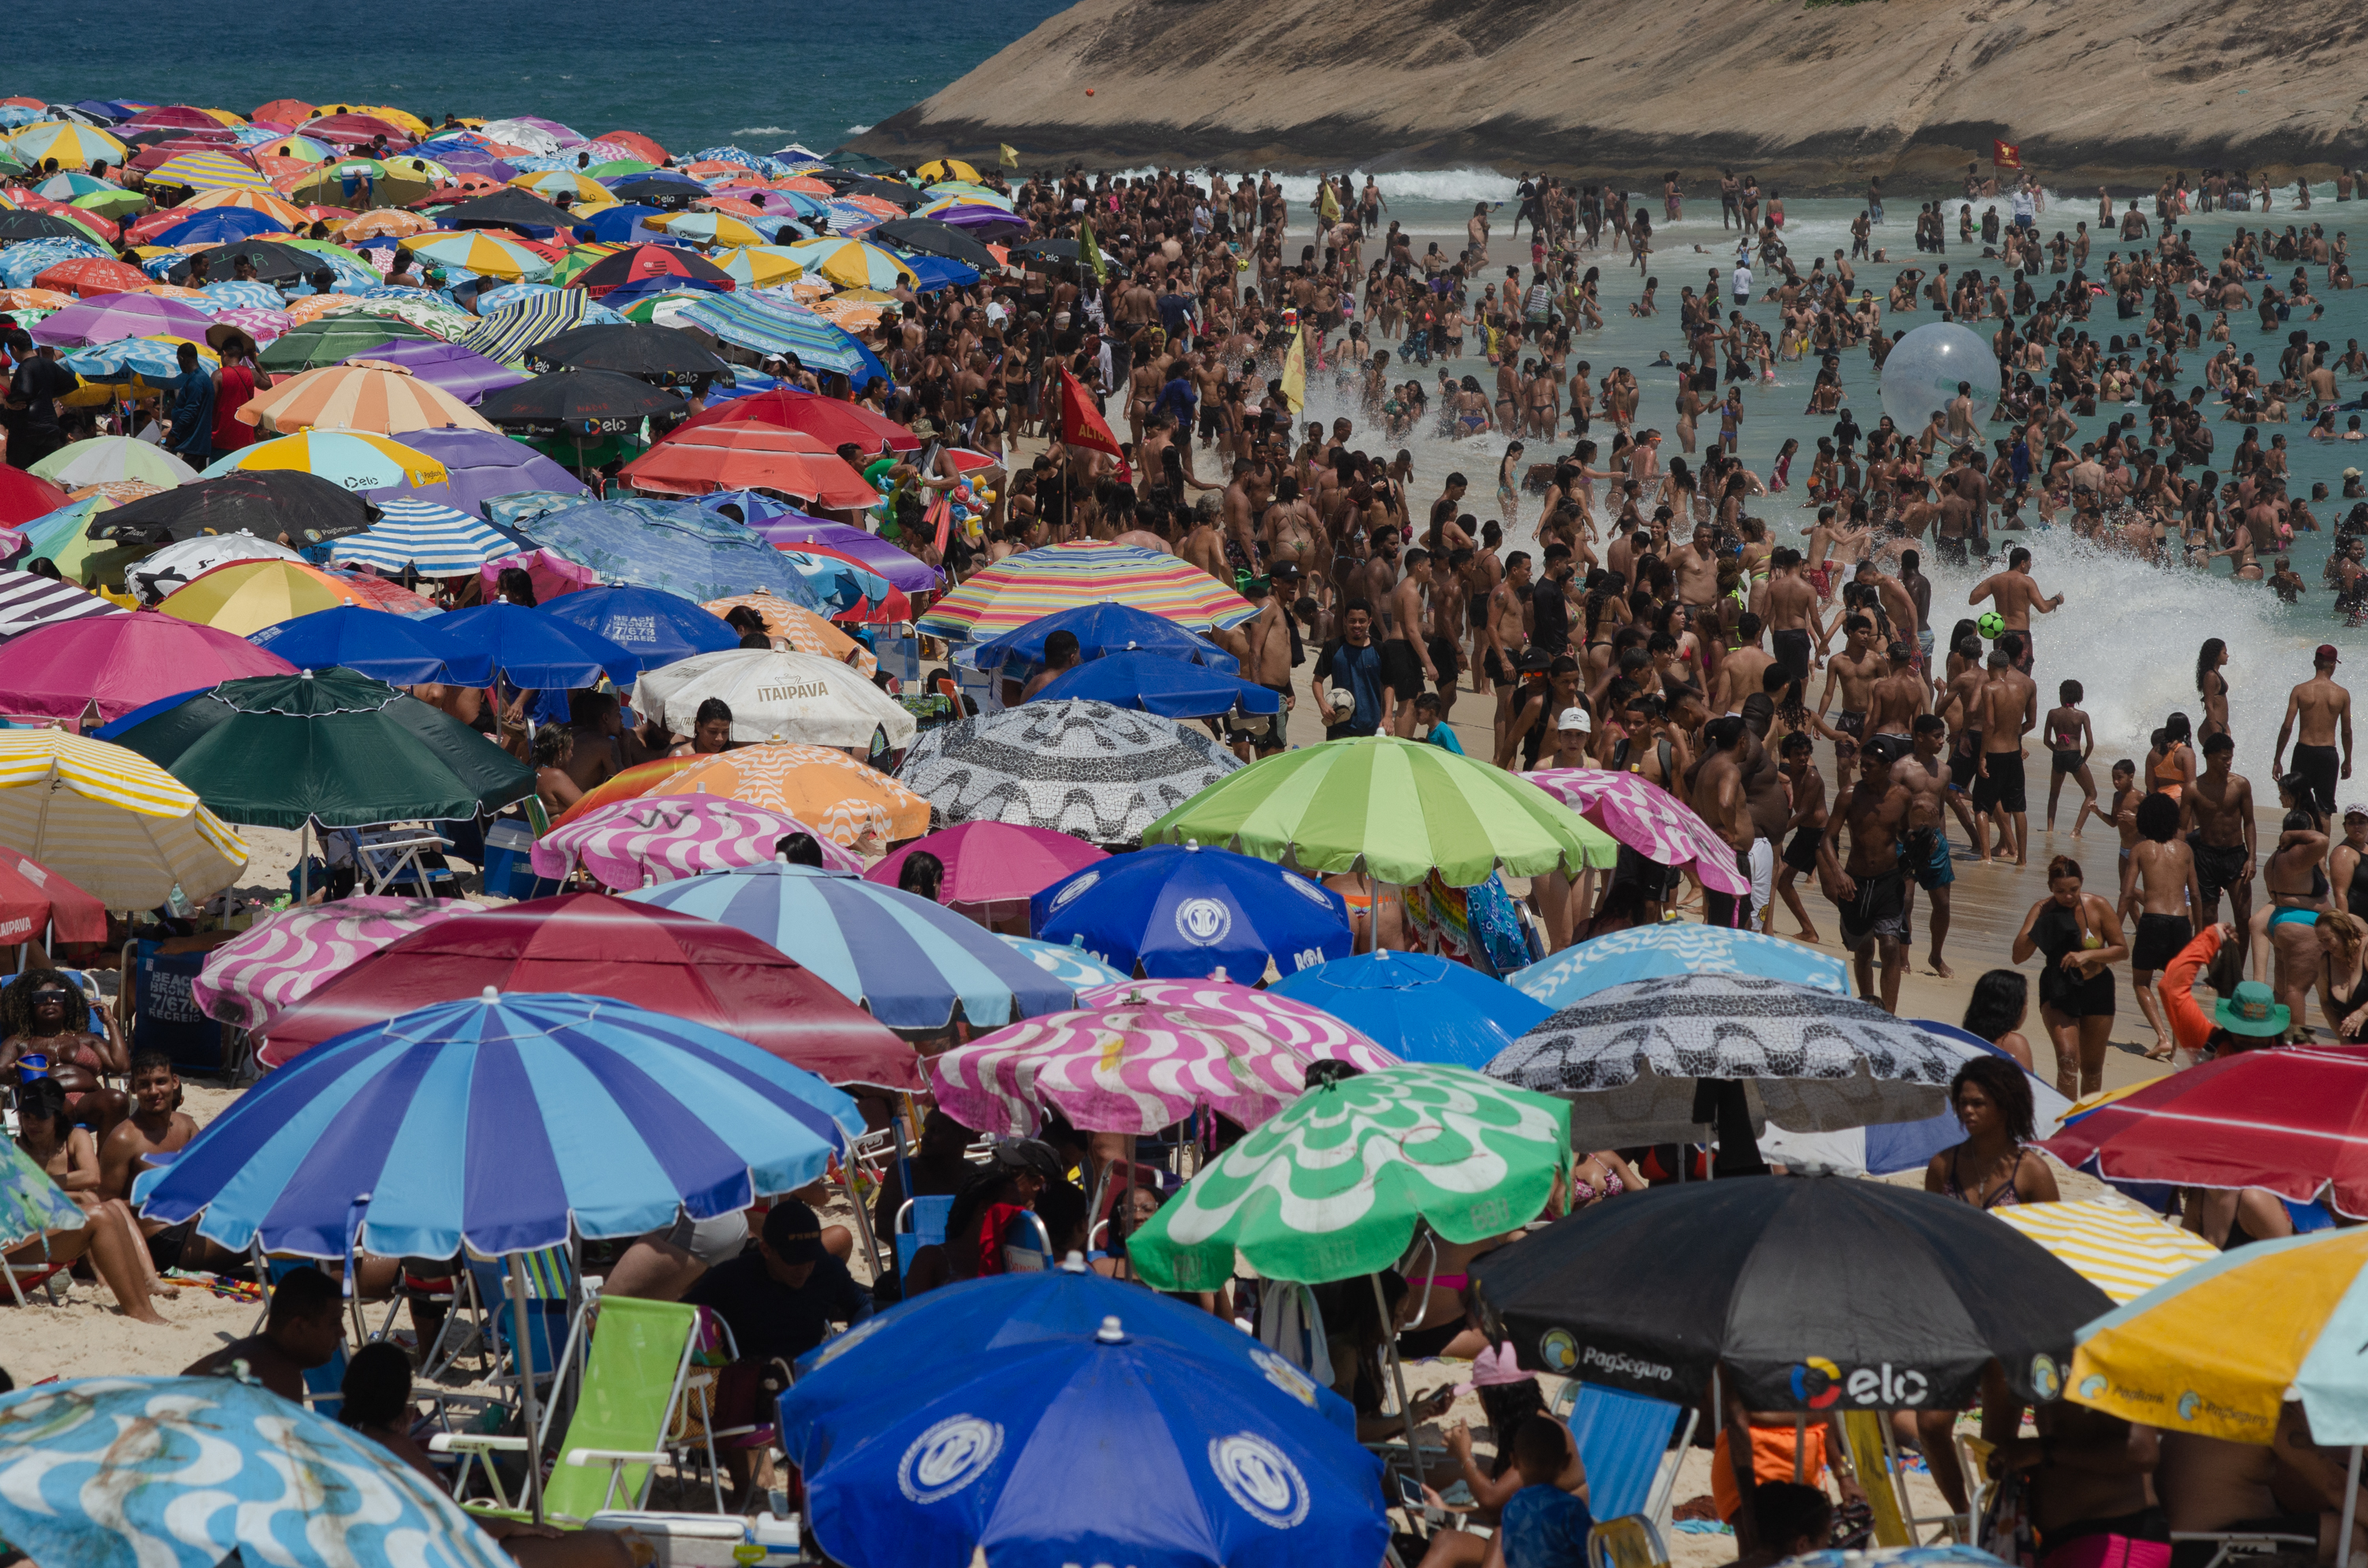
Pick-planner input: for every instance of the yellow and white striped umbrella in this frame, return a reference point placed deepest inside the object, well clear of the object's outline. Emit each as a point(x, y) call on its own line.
point(110, 820)
point(2122, 1252)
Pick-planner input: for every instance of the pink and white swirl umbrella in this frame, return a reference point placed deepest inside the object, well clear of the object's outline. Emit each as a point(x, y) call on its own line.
point(1310, 1031)
point(662, 839)
point(255, 978)
point(1648, 819)
point(1130, 1069)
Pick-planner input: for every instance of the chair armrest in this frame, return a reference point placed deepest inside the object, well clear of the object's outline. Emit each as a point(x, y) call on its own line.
point(474, 1442)
point(584, 1459)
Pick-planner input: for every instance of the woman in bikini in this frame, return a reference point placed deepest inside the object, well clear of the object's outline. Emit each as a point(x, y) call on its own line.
point(1991, 1169)
point(2342, 986)
point(45, 1014)
point(109, 1236)
point(2212, 686)
point(2081, 934)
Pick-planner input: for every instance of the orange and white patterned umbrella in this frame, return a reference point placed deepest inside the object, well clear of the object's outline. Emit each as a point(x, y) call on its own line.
point(361, 394)
point(841, 796)
point(800, 627)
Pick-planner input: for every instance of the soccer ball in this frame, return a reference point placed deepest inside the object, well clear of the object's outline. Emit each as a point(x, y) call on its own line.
point(1992, 625)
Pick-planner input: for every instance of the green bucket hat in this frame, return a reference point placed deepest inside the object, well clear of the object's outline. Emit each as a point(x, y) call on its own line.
point(2252, 1010)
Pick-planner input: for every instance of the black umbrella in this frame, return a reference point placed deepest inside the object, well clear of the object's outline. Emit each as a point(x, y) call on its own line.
point(932, 238)
point(265, 502)
point(1811, 1292)
point(657, 186)
point(508, 208)
point(856, 162)
point(1063, 253)
point(664, 355)
point(904, 196)
point(273, 261)
point(15, 225)
point(605, 400)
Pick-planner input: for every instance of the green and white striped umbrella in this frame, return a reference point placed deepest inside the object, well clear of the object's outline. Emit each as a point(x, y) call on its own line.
point(1331, 1187)
point(1397, 810)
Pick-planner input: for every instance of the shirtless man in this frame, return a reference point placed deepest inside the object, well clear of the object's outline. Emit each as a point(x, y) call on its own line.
point(1924, 841)
point(1505, 636)
point(1480, 580)
point(2016, 594)
point(1716, 794)
point(157, 1126)
point(1869, 888)
point(2009, 711)
point(2159, 882)
point(1406, 664)
point(1696, 565)
point(1806, 827)
point(2212, 1484)
point(1268, 634)
point(1204, 547)
point(1895, 698)
point(1245, 499)
point(1793, 620)
point(1855, 670)
point(303, 1328)
point(2216, 812)
point(1742, 667)
point(2324, 709)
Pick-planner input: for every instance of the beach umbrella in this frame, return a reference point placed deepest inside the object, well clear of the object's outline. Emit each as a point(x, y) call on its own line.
point(660, 629)
point(1037, 583)
point(29, 599)
point(911, 962)
point(2123, 1251)
point(750, 457)
point(177, 565)
point(276, 963)
point(826, 419)
point(489, 256)
point(1807, 1294)
point(849, 591)
point(385, 222)
point(707, 228)
point(1073, 967)
point(779, 695)
point(1418, 1006)
point(482, 464)
point(2288, 1120)
point(206, 228)
point(101, 459)
point(31, 1202)
point(372, 642)
point(273, 261)
point(73, 146)
point(37, 903)
point(1671, 951)
point(110, 318)
point(628, 844)
point(327, 746)
point(1885, 1147)
point(538, 651)
point(270, 204)
point(110, 820)
point(25, 496)
point(508, 208)
point(333, 340)
point(466, 375)
point(1397, 810)
point(1310, 1030)
point(1193, 913)
point(658, 544)
point(654, 185)
point(662, 356)
point(185, 1472)
point(356, 459)
point(791, 529)
point(645, 262)
point(760, 266)
point(1100, 773)
point(114, 663)
point(363, 395)
point(534, 135)
point(947, 169)
point(1648, 819)
point(1093, 1422)
point(20, 226)
point(805, 629)
point(243, 597)
point(852, 264)
point(265, 504)
point(840, 796)
point(1158, 684)
point(553, 183)
point(1102, 629)
point(1334, 1186)
point(566, 401)
point(425, 537)
point(928, 237)
point(212, 169)
point(768, 322)
point(988, 863)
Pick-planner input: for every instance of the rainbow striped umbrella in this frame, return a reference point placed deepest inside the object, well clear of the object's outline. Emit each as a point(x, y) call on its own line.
point(1036, 582)
point(481, 253)
point(73, 146)
point(852, 264)
point(209, 171)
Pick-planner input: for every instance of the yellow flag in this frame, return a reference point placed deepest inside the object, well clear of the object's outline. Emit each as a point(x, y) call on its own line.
point(1328, 205)
point(1294, 370)
point(1011, 155)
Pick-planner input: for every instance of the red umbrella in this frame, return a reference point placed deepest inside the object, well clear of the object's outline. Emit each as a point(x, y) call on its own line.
point(2294, 1119)
point(352, 130)
point(24, 497)
point(88, 274)
point(588, 942)
point(829, 421)
point(643, 148)
point(636, 262)
point(37, 902)
point(748, 457)
point(290, 112)
point(174, 116)
point(117, 663)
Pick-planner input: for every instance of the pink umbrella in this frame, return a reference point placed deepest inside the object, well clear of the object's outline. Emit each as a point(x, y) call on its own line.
point(994, 862)
point(248, 981)
point(260, 323)
point(552, 575)
point(111, 318)
point(1648, 819)
point(117, 663)
point(660, 838)
point(1310, 1031)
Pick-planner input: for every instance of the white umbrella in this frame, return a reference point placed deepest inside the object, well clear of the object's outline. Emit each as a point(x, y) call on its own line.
point(777, 695)
point(519, 133)
point(176, 565)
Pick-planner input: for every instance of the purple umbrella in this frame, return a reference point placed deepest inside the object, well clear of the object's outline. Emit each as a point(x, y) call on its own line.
point(111, 318)
point(465, 375)
point(475, 161)
point(795, 528)
point(983, 221)
point(482, 464)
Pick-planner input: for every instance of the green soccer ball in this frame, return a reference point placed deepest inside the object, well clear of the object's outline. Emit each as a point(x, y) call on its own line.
point(1991, 626)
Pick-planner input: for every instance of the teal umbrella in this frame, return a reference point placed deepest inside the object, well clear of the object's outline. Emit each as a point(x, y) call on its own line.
point(328, 746)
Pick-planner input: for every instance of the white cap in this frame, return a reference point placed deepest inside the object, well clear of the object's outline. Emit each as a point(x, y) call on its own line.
point(1574, 718)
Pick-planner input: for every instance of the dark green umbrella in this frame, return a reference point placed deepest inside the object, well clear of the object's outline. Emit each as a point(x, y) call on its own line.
point(333, 340)
point(328, 746)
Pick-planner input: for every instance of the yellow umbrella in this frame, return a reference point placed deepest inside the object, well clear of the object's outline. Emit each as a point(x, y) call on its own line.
point(947, 169)
point(110, 820)
point(549, 183)
point(708, 229)
point(392, 116)
point(2121, 1251)
point(244, 597)
point(761, 266)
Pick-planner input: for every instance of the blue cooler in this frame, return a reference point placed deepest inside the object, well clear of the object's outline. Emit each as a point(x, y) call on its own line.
point(507, 873)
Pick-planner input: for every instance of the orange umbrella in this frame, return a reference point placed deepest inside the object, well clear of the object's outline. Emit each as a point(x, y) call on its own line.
point(748, 457)
point(819, 784)
point(290, 112)
point(313, 307)
point(806, 184)
point(731, 204)
point(89, 275)
point(33, 299)
point(643, 148)
point(277, 209)
point(633, 782)
point(800, 627)
point(361, 394)
point(385, 220)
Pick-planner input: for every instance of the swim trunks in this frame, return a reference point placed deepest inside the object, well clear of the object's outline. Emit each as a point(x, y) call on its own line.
point(1964, 762)
point(2159, 938)
point(1802, 853)
point(1791, 650)
point(1925, 852)
point(2001, 787)
point(2320, 767)
point(1851, 725)
point(1401, 668)
point(1879, 910)
point(2219, 868)
point(1443, 660)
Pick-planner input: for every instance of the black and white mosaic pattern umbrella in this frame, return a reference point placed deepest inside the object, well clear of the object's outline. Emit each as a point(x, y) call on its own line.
point(1087, 768)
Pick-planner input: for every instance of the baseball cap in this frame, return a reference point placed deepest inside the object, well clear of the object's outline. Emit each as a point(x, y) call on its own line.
point(1574, 718)
point(793, 1233)
point(2326, 652)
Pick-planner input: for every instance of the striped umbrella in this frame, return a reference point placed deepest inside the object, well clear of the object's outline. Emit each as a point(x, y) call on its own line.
point(1308, 1029)
point(504, 335)
point(852, 264)
point(662, 838)
point(446, 321)
point(433, 539)
point(1100, 773)
point(28, 600)
point(2123, 1252)
point(1035, 583)
point(103, 458)
point(360, 395)
point(492, 1124)
point(211, 171)
point(912, 962)
point(1659, 953)
point(249, 981)
point(111, 822)
point(481, 253)
point(73, 146)
point(761, 266)
point(355, 459)
point(271, 203)
point(261, 322)
point(773, 324)
point(711, 228)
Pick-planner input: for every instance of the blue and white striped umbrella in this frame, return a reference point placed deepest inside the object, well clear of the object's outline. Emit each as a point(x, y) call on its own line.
point(493, 1123)
point(1657, 952)
point(775, 323)
point(1070, 966)
point(911, 961)
point(440, 540)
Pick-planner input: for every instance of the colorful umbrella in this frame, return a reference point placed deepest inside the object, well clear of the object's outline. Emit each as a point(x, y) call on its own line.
point(1309, 1031)
point(243, 597)
point(101, 459)
point(791, 529)
point(815, 784)
point(650, 839)
point(264, 971)
point(209, 171)
point(1036, 582)
point(710, 229)
point(486, 254)
point(852, 264)
point(424, 536)
point(1419, 1007)
point(800, 627)
point(760, 266)
point(114, 663)
point(29, 599)
point(832, 422)
point(1680, 947)
point(110, 318)
point(356, 459)
point(363, 395)
point(769, 322)
point(749, 457)
point(1096, 772)
point(993, 862)
point(31, 1203)
point(1190, 912)
point(1648, 819)
point(110, 820)
point(1071, 966)
point(2123, 1251)
point(73, 146)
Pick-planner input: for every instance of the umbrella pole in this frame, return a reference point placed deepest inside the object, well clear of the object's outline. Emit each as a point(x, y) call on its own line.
point(2343, 1554)
point(1398, 1377)
point(522, 1355)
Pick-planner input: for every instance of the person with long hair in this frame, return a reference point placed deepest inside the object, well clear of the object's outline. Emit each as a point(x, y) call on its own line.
point(110, 1234)
point(44, 1012)
point(2081, 934)
point(2212, 687)
point(2000, 1003)
point(2342, 989)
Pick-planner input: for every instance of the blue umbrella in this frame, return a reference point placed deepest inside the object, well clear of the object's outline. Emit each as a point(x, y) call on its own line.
point(490, 1124)
point(1657, 952)
point(938, 272)
point(1071, 966)
point(1887, 1148)
point(1419, 1007)
point(428, 537)
point(219, 1470)
point(671, 545)
point(1059, 1417)
point(659, 628)
point(1156, 684)
point(217, 225)
point(1184, 911)
point(535, 650)
point(618, 224)
point(148, 710)
point(391, 648)
point(910, 962)
point(1101, 629)
point(840, 584)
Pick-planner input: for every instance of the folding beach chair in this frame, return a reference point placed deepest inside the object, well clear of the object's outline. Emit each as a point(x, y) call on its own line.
point(1876, 1459)
point(1631, 1446)
point(928, 1228)
point(162, 1012)
point(481, 1324)
point(1629, 1541)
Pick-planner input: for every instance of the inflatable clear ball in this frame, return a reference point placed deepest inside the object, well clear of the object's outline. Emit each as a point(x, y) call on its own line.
point(1921, 376)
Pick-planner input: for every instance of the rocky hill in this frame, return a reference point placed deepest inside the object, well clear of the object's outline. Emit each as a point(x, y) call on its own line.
point(1814, 97)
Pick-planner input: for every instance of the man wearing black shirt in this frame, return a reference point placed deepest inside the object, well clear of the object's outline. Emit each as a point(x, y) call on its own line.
point(1549, 604)
point(33, 429)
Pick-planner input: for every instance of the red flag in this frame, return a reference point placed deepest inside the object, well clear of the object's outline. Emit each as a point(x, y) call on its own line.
point(2005, 155)
point(1081, 422)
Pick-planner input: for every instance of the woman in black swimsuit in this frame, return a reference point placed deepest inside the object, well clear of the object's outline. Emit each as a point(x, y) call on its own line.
point(2342, 988)
point(2351, 882)
point(2081, 936)
point(1991, 1168)
point(2212, 686)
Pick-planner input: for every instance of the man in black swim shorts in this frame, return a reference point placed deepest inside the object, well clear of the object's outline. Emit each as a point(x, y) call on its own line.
point(1869, 888)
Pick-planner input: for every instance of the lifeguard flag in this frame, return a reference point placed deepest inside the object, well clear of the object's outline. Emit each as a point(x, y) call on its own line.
point(1294, 370)
point(2005, 155)
point(1081, 422)
point(1010, 155)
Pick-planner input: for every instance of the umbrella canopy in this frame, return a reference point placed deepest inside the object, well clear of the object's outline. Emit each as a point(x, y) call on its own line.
point(2123, 1252)
point(778, 695)
point(1418, 1006)
point(177, 565)
point(1071, 966)
point(663, 356)
point(186, 1472)
point(102, 460)
point(852, 264)
point(24, 497)
point(630, 844)
point(641, 263)
point(1085, 769)
point(993, 862)
point(1158, 684)
point(538, 651)
point(1094, 1423)
point(566, 400)
point(266, 504)
point(1808, 1293)
point(243, 597)
point(1315, 1033)
point(73, 146)
point(1648, 819)
point(744, 456)
point(333, 340)
point(819, 785)
point(115, 664)
point(1671, 951)
point(363, 395)
point(931, 237)
point(489, 256)
point(482, 464)
point(424, 536)
point(911, 962)
point(768, 322)
point(209, 169)
point(660, 629)
point(826, 419)
point(375, 643)
point(492, 1123)
point(801, 628)
point(38, 905)
point(1037, 583)
point(467, 376)
point(353, 459)
point(110, 820)
point(1103, 629)
point(111, 318)
point(1398, 810)
point(30, 1201)
point(1190, 912)
point(28, 600)
point(273, 965)
point(1334, 1186)
point(329, 746)
point(795, 530)
point(667, 545)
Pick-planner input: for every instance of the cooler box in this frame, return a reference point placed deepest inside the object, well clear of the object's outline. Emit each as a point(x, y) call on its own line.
point(508, 873)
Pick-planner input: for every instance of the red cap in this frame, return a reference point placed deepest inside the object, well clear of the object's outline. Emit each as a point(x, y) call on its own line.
point(2326, 652)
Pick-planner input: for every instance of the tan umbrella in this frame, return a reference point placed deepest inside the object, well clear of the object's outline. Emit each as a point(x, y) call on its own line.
point(110, 820)
point(361, 394)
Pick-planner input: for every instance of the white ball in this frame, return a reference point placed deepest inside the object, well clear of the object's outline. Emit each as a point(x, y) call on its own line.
point(1921, 376)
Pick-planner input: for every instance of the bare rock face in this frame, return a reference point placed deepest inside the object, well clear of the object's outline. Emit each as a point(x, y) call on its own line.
point(2108, 91)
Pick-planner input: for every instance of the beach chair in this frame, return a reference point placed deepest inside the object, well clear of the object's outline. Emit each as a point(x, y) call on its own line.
point(408, 861)
point(481, 1323)
point(2237, 1545)
point(1867, 1436)
point(928, 1228)
point(1631, 1446)
point(1628, 1542)
point(634, 1377)
point(160, 1014)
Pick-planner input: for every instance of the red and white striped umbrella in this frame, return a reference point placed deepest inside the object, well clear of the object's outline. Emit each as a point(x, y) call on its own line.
point(1648, 819)
point(661, 838)
point(252, 979)
point(1310, 1031)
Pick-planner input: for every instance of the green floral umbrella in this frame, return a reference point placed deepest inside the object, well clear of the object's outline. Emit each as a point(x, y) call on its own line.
point(30, 1203)
point(1397, 810)
point(1331, 1189)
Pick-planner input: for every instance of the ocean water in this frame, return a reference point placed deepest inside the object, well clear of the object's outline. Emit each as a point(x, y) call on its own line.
point(723, 71)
